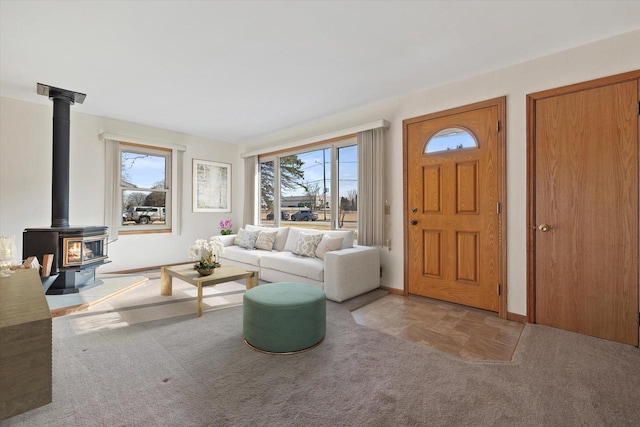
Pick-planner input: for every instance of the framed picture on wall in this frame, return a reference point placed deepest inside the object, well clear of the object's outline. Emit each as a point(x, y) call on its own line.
point(211, 186)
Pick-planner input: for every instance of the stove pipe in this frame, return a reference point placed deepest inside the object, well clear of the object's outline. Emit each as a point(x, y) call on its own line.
point(62, 101)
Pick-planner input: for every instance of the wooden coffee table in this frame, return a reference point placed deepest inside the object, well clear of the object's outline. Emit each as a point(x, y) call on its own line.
point(185, 272)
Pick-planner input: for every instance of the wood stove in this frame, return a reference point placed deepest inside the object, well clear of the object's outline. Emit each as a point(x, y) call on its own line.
point(77, 251)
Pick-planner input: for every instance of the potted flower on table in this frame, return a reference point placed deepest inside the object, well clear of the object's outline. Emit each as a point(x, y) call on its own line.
point(225, 227)
point(207, 254)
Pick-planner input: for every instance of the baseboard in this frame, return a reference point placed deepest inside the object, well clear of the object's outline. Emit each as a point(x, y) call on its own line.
point(516, 317)
point(394, 291)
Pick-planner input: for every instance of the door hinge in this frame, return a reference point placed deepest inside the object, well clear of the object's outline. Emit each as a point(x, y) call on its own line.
point(498, 208)
point(499, 289)
point(498, 126)
point(639, 115)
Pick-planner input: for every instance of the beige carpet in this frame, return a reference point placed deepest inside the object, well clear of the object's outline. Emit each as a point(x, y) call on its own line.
point(114, 365)
point(355, 303)
point(190, 371)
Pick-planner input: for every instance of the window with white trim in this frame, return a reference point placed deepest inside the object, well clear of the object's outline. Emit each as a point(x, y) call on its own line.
point(145, 188)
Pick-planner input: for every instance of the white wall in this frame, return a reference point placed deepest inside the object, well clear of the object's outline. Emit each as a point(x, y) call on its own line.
point(25, 181)
point(600, 59)
point(25, 159)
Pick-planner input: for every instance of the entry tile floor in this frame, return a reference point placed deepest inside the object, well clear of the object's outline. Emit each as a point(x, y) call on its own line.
point(464, 332)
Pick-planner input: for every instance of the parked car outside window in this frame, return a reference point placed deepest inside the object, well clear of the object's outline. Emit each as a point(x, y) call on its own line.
point(283, 215)
point(145, 214)
point(304, 215)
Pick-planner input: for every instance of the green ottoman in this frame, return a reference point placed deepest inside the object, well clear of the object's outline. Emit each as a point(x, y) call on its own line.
point(284, 317)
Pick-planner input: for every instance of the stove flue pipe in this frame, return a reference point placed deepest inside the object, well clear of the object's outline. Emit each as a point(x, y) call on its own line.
point(62, 101)
point(60, 167)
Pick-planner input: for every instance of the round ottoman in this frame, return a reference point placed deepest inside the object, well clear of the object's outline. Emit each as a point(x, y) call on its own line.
point(284, 317)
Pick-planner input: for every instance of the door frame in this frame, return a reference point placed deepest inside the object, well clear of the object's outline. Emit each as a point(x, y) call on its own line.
point(500, 104)
point(532, 98)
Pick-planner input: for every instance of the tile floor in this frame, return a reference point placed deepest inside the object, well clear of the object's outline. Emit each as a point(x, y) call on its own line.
point(464, 332)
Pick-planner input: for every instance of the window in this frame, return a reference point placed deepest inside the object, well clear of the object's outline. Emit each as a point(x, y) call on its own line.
point(348, 187)
point(450, 139)
point(145, 188)
point(314, 188)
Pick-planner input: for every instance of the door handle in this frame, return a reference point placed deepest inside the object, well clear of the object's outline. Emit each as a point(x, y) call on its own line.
point(413, 222)
point(544, 228)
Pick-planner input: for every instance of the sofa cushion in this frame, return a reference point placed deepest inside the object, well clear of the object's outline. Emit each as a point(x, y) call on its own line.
point(241, 232)
point(281, 237)
point(246, 256)
point(328, 244)
point(347, 236)
point(313, 268)
point(294, 233)
point(248, 239)
point(236, 241)
point(306, 244)
point(266, 239)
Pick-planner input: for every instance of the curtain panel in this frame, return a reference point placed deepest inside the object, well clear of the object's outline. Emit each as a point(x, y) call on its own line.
point(112, 209)
point(371, 187)
point(251, 183)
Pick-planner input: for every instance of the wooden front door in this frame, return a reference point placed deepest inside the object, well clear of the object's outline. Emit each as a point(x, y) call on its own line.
point(453, 195)
point(584, 208)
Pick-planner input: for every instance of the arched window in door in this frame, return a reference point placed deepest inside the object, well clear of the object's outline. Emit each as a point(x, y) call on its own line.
point(450, 139)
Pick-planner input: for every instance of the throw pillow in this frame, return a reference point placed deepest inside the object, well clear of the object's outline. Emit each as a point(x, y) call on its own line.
point(248, 239)
point(266, 239)
point(306, 244)
point(281, 237)
point(236, 241)
point(328, 244)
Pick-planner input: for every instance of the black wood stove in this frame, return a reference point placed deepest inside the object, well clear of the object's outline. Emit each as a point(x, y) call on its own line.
point(77, 250)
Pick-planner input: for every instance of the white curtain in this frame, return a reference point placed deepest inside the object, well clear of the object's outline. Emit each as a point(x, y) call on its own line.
point(371, 187)
point(176, 191)
point(112, 210)
point(251, 184)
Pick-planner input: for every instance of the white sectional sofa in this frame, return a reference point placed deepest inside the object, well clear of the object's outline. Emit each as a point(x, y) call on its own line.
point(344, 273)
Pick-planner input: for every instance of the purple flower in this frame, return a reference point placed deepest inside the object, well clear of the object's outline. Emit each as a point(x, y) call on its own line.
point(226, 224)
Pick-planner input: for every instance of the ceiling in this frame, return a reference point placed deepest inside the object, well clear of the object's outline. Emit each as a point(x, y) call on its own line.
point(235, 71)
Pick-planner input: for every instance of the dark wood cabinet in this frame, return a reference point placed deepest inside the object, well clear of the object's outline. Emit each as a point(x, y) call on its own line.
point(25, 344)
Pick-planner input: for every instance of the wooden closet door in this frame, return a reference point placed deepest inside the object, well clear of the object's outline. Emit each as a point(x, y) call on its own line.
point(586, 211)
